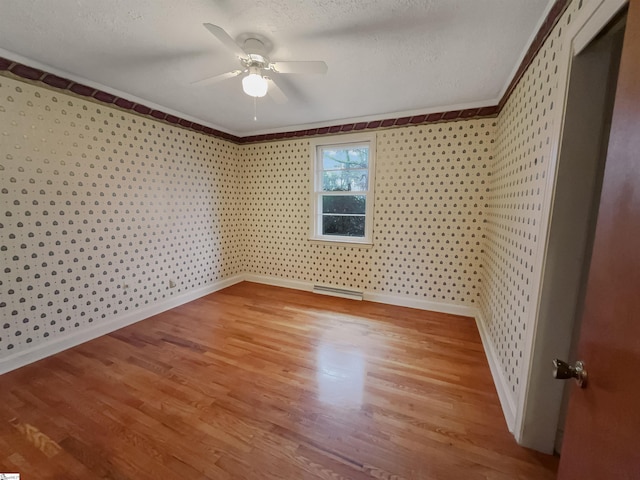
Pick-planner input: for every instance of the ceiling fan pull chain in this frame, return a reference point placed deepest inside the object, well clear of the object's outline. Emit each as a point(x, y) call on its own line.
point(255, 113)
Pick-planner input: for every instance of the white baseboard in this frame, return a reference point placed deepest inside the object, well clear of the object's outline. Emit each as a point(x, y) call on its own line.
point(279, 282)
point(420, 304)
point(504, 394)
point(371, 296)
point(38, 352)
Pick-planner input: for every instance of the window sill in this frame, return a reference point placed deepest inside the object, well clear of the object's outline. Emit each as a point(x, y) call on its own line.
point(339, 243)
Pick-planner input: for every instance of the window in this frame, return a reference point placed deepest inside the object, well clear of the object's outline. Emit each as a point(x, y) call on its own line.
point(342, 199)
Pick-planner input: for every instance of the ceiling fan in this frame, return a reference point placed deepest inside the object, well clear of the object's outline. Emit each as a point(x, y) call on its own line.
point(257, 65)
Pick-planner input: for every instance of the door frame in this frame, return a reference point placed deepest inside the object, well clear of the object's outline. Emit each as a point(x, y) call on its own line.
point(594, 16)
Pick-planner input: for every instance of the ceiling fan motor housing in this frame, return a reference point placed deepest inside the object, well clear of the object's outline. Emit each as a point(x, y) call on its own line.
point(255, 48)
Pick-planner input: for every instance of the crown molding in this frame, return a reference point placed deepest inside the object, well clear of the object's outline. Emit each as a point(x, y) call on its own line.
point(33, 72)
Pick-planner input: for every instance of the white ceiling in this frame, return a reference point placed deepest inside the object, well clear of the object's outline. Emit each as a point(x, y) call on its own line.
point(386, 58)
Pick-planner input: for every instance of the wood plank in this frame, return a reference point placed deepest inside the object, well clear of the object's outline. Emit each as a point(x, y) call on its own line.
point(258, 382)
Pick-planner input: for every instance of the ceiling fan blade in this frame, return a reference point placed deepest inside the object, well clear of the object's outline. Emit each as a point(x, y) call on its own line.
point(300, 67)
point(276, 92)
point(225, 39)
point(216, 78)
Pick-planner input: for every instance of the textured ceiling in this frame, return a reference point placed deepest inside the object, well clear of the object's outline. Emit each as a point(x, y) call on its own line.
point(386, 58)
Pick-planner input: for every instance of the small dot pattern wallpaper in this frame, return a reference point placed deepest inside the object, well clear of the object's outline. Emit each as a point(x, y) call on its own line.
point(515, 203)
point(104, 213)
point(430, 193)
point(101, 210)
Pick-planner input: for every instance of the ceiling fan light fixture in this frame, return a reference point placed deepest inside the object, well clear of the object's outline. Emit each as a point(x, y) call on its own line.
point(254, 84)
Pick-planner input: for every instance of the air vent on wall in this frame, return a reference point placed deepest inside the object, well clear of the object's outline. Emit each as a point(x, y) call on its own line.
point(337, 292)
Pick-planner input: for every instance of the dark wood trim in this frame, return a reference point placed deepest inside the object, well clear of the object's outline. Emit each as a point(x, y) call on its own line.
point(543, 33)
point(36, 75)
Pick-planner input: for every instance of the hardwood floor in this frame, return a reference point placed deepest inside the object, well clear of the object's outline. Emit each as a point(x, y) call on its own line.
point(260, 382)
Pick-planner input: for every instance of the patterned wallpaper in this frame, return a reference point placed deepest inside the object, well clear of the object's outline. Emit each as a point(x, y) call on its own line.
point(101, 209)
point(430, 193)
point(517, 192)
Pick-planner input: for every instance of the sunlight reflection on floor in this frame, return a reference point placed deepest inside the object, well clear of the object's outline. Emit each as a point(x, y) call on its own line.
point(341, 375)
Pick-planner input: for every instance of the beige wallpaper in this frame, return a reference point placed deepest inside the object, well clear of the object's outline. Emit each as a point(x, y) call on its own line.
point(517, 191)
point(430, 193)
point(101, 209)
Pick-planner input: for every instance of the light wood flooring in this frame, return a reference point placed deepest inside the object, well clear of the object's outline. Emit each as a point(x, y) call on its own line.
point(260, 382)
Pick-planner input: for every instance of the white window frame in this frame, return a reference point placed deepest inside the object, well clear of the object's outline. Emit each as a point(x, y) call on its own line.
point(341, 141)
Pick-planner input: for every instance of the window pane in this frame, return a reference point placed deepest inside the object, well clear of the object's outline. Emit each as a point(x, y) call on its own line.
point(345, 180)
point(353, 204)
point(345, 158)
point(344, 226)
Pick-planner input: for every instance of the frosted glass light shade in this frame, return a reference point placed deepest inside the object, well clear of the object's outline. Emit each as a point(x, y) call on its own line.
point(255, 85)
